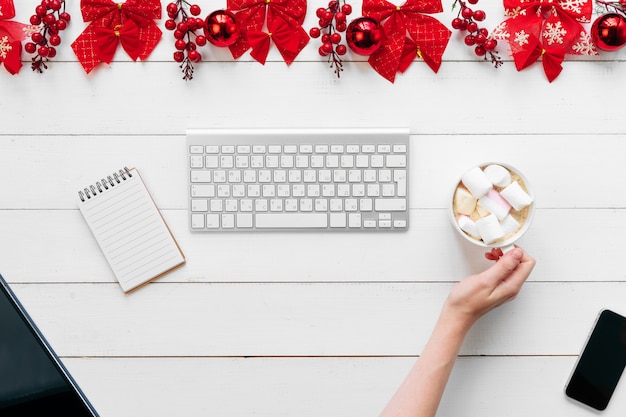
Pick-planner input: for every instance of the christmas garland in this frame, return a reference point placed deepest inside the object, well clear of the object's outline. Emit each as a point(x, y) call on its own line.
point(391, 36)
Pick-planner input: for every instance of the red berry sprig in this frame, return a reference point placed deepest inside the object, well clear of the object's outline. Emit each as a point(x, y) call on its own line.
point(51, 18)
point(467, 21)
point(184, 21)
point(331, 32)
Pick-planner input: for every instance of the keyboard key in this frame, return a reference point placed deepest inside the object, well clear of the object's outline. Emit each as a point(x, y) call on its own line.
point(385, 204)
point(244, 220)
point(291, 220)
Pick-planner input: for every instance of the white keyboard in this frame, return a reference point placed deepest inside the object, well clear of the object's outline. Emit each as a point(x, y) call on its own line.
point(308, 179)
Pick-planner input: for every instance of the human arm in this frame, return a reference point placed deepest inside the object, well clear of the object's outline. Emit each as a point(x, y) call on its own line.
point(421, 391)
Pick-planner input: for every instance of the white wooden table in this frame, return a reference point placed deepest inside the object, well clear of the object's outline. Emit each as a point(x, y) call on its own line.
point(314, 324)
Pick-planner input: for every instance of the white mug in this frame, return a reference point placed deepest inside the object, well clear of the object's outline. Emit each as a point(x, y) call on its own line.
point(509, 243)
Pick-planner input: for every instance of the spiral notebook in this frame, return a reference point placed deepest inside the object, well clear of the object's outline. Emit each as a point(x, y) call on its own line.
point(129, 228)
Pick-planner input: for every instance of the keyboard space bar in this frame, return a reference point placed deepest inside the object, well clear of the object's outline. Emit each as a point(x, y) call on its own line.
point(291, 220)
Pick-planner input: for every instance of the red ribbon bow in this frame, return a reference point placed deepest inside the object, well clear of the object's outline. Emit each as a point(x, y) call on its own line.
point(409, 32)
point(11, 36)
point(284, 25)
point(130, 24)
point(548, 29)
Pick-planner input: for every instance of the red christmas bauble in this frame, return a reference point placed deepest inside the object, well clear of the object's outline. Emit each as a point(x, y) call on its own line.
point(221, 28)
point(608, 32)
point(364, 35)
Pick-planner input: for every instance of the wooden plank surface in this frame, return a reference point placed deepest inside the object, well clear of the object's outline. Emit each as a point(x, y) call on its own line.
point(314, 324)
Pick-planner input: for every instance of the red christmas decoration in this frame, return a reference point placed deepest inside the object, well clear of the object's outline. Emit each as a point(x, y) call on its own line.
point(130, 24)
point(608, 32)
point(184, 22)
point(11, 36)
point(221, 28)
point(51, 19)
point(467, 20)
point(283, 20)
point(409, 32)
point(364, 35)
point(546, 29)
point(331, 38)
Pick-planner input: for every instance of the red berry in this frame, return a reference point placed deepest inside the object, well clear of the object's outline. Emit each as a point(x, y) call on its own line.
point(341, 49)
point(315, 33)
point(194, 55)
point(179, 56)
point(200, 40)
point(182, 26)
point(322, 52)
point(170, 24)
point(457, 23)
point(325, 38)
point(172, 8)
point(35, 20)
point(65, 16)
point(37, 37)
point(472, 1)
point(44, 51)
point(328, 15)
point(483, 31)
point(323, 23)
point(55, 5)
point(335, 38)
point(340, 17)
point(480, 39)
point(180, 44)
point(41, 10)
point(470, 40)
point(480, 50)
point(472, 27)
point(479, 15)
point(191, 46)
point(327, 47)
point(490, 44)
point(30, 47)
point(341, 27)
point(346, 8)
point(49, 19)
point(178, 34)
point(320, 12)
point(55, 40)
point(52, 52)
point(195, 10)
point(61, 24)
point(467, 13)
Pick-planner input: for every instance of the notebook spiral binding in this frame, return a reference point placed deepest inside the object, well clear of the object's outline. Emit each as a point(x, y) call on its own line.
point(104, 184)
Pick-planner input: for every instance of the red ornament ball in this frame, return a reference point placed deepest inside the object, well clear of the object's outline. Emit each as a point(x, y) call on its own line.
point(364, 35)
point(221, 28)
point(608, 32)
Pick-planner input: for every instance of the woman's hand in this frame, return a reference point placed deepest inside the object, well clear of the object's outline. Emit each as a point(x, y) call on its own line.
point(474, 296)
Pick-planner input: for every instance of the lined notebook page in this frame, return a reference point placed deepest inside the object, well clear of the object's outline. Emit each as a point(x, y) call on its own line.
point(131, 232)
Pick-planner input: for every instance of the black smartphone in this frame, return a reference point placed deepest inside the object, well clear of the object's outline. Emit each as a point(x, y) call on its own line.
point(33, 381)
point(601, 363)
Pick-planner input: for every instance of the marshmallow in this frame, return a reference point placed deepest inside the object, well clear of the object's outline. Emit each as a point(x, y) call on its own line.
point(494, 203)
point(476, 182)
point(468, 226)
point(509, 225)
point(498, 175)
point(464, 201)
point(516, 196)
point(489, 229)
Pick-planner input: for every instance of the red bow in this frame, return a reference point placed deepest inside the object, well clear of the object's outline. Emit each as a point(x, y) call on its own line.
point(427, 37)
point(11, 36)
point(284, 24)
point(130, 24)
point(548, 29)
point(551, 58)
